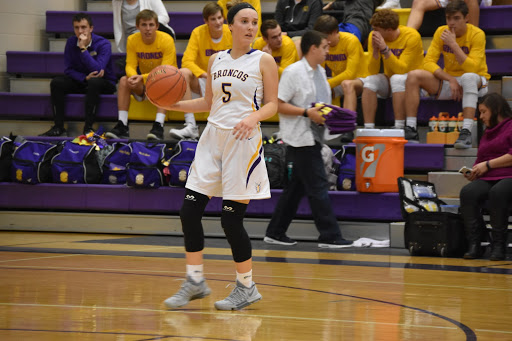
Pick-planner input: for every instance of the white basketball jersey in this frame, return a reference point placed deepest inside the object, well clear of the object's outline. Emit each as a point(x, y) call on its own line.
point(237, 88)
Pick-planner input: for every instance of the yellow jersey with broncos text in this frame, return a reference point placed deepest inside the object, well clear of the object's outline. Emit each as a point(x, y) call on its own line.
point(473, 45)
point(146, 57)
point(346, 60)
point(406, 53)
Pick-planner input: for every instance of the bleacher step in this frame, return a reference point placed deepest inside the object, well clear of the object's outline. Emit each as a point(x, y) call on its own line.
point(30, 85)
point(456, 158)
point(448, 184)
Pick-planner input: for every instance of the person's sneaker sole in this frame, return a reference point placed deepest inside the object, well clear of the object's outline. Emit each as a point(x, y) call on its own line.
point(333, 246)
point(240, 306)
point(174, 306)
point(275, 241)
point(114, 136)
point(462, 146)
point(153, 137)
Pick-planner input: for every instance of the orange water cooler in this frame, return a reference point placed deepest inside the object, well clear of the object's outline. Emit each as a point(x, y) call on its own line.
point(379, 159)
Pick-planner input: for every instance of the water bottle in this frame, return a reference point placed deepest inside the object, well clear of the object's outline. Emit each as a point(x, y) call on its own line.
point(289, 168)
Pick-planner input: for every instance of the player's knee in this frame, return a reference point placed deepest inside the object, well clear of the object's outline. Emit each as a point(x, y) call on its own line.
point(469, 82)
point(413, 78)
point(191, 213)
point(232, 223)
point(348, 86)
point(57, 83)
point(397, 83)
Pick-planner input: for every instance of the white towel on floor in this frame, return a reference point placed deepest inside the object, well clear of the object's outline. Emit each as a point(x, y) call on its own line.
point(368, 242)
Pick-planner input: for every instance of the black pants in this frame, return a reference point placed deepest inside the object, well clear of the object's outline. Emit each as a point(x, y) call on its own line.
point(473, 197)
point(308, 178)
point(62, 85)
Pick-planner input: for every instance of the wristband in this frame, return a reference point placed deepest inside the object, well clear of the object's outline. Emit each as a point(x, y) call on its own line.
point(305, 114)
point(488, 165)
point(384, 51)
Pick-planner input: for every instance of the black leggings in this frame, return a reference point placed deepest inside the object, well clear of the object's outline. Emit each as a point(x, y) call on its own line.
point(499, 196)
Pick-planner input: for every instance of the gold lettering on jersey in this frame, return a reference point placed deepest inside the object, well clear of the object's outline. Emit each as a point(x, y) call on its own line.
point(231, 73)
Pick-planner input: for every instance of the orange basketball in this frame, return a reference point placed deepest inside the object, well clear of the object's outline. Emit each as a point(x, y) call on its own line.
point(165, 85)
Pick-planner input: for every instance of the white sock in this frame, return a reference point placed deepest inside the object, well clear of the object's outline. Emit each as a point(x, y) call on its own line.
point(189, 118)
point(195, 272)
point(123, 116)
point(400, 124)
point(468, 124)
point(160, 118)
point(412, 122)
point(245, 278)
point(369, 126)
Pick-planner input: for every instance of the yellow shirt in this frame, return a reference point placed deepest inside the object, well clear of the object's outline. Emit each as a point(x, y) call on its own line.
point(473, 45)
point(254, 3)
point(161, 52)
point(201, 46)
point(286, 55)
point(346, 60)
point(406, 54)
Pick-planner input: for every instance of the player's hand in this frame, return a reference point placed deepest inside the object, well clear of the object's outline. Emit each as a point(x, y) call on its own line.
point(134, 80)
point(315, 115)
point(81, 41)
point(449, 37)
point(328, 6)
point(244, 128)
point(95, 74)
point(478, 170)
point(378, 41)
point(456, 90)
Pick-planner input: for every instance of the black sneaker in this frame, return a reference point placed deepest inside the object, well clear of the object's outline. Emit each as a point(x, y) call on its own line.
point(283, 240)
point(335, 244)
point(55, 131)
point(87, 129)
point(411, 134)
point(120, 131)
point(465, 140)
point(157, 132)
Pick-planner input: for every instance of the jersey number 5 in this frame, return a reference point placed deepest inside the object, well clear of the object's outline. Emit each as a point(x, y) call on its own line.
point(226, 98)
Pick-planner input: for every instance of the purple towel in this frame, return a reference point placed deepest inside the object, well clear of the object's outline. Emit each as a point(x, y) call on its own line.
point(338, 120)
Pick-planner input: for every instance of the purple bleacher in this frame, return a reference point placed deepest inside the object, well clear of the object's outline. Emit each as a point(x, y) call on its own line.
point(61, 22)
point(49, 63)
point(168, 200)
point(496, 19)
point(427, 108)
point(38, 106)
point(499, 62)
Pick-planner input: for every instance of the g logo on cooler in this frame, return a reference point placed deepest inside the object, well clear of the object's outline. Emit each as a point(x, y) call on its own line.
point(367, 154)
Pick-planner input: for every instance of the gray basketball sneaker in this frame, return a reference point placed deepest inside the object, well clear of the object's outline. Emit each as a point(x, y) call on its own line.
point(189, 291)
point(240, 297)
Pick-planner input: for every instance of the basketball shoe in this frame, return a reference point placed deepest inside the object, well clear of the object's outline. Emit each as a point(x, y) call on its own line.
point(464, 141)
point(157, 132)
point(240, 297)
point(120, 131)
point(335, 244)
point(55, 131)
point(189, 132)
point(411, 134)
point(189, 291)
point(283, 240)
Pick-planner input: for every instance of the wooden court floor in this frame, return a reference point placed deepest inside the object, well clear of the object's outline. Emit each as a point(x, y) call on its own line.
point(68, 286)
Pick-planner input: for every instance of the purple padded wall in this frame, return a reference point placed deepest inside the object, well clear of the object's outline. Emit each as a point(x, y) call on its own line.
point(168, 200)
point(38, 106)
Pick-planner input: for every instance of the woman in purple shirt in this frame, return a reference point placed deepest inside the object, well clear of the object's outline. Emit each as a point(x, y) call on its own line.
point(491, 180)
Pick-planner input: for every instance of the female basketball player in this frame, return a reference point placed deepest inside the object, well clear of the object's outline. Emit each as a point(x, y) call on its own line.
point(229, 161)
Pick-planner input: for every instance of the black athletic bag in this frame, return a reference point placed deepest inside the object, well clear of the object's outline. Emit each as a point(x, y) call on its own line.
point(275, 161)
point(428, 231)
